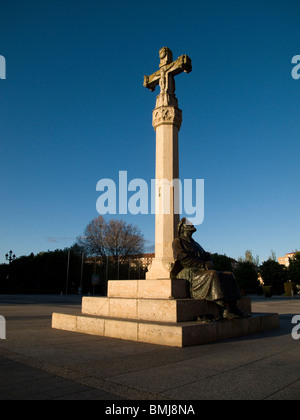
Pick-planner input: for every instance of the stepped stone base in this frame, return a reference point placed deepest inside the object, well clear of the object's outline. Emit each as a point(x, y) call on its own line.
point(182, 334)
point(158, 312)
point(152, 289)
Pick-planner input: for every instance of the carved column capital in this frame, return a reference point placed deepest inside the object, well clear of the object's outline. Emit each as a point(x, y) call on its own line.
point(167, 115)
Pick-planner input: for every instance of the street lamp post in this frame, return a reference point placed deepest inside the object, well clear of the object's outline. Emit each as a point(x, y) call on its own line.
point(81, 275)
point(10, 257)
point(68, 271)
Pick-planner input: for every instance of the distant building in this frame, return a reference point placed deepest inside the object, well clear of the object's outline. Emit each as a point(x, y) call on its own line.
point(144, 260)
point(286, 260)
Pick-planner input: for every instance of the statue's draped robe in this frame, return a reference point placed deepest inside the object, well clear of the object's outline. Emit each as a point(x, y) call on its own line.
point(190, 264)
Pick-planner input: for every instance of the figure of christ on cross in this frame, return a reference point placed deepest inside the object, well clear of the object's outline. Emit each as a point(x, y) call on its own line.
point(165, 76)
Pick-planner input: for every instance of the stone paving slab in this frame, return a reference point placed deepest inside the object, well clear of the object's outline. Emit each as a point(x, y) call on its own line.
point(37, 362)
point(21, 382)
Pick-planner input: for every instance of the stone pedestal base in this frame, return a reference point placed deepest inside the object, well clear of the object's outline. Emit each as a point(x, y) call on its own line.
point(149, 289)
point(158, 312)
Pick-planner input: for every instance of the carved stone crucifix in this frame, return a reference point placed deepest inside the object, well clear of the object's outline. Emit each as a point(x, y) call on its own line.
point(165, 76)
point(167, 119)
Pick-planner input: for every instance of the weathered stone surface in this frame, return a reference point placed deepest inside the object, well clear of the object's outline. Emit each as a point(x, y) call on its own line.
point(157, 310)
point(151, 289)
point(182, 334)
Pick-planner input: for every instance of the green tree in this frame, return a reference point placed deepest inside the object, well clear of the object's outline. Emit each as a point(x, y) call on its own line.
point(221, 262)
point(293, 272)
point(274, 275)
point(45, 272)
point(246, 276)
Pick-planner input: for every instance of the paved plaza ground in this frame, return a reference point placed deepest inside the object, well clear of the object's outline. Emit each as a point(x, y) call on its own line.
point(37, 362)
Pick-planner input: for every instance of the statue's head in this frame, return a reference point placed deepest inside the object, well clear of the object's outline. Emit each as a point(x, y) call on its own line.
point(185, 228)
point(166, 56)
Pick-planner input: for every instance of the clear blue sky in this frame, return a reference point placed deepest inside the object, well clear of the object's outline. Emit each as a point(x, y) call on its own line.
point(73, 110)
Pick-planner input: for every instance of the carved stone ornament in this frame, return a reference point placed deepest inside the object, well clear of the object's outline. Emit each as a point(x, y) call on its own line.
point(167, 115)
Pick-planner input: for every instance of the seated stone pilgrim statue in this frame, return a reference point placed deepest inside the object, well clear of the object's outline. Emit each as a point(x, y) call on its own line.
point(192, 263)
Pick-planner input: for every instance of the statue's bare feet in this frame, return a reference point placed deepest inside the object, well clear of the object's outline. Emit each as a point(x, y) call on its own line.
point(227, 314)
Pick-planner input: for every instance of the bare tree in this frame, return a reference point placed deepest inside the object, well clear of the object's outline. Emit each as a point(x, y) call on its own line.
point(92, 240)
point(273, 256)
point(114, 238)
point(249, 257)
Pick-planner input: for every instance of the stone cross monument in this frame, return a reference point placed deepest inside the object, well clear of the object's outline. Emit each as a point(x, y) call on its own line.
point(167, 119)
point(159, 310)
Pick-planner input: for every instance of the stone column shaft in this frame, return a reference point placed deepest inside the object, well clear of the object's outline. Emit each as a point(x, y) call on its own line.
point(167, 122)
